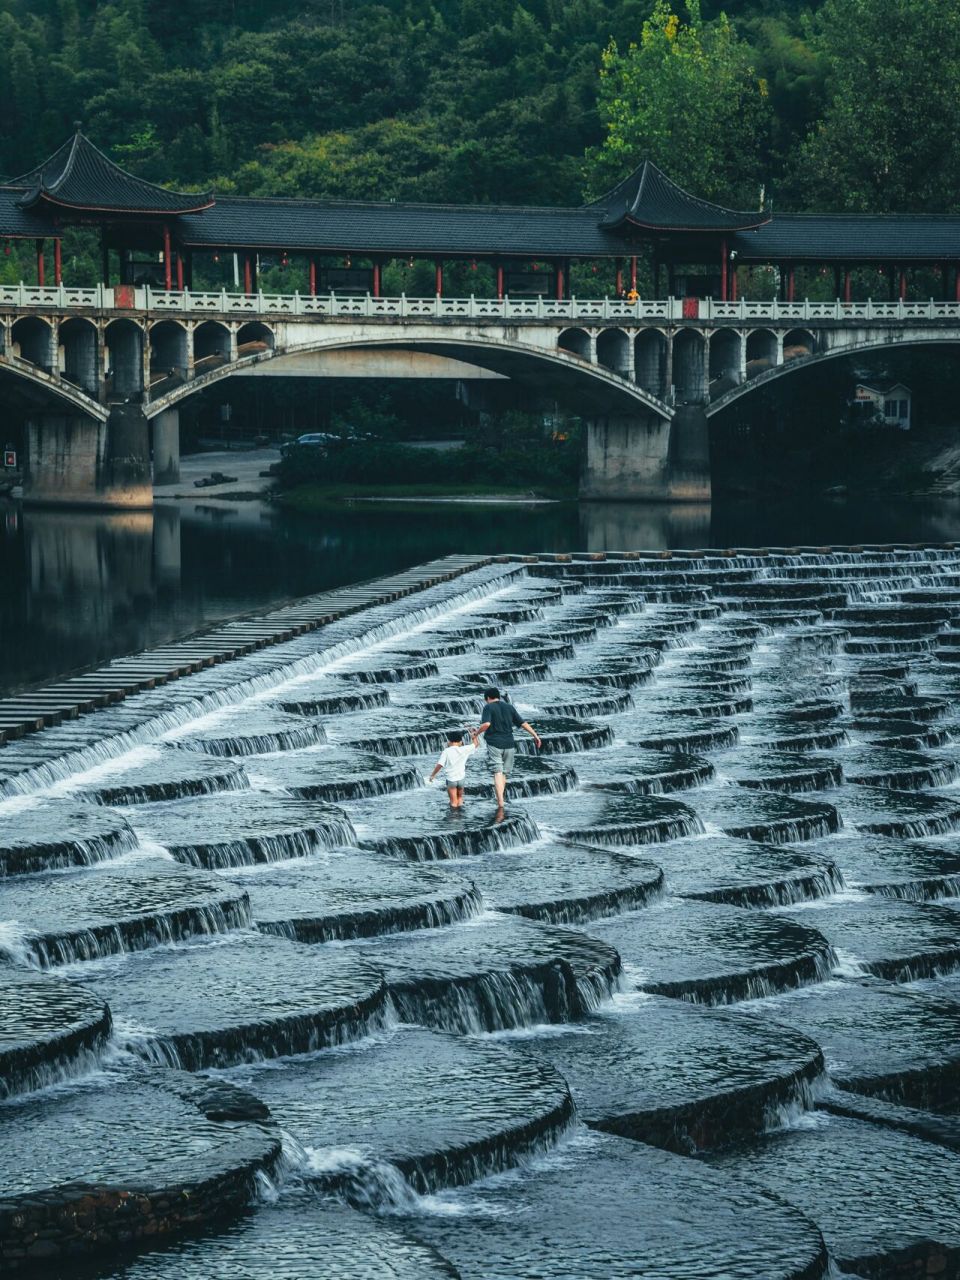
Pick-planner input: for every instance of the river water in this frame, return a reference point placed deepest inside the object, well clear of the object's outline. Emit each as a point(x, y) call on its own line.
point(79, 588)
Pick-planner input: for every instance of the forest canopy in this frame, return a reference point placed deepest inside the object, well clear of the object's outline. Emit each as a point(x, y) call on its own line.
point(847, 104)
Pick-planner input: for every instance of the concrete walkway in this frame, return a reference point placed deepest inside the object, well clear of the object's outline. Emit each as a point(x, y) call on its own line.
point(246, 466)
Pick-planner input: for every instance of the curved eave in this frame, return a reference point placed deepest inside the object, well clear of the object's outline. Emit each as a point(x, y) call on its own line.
point(653, 228)
point(45, 198)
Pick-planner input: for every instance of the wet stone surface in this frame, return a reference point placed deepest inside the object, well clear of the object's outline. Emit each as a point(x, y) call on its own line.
point(123, 1157)
point(889, 812)
point(891, 939)
point(167, 775)
point(678, 1076)
point(329, 696)
point(221, 1002)
point(126, 906)
point(252, 828)
point(746, 873)
point(766, 816)
point(627, 770)
point(247, 732)
point(479, 1109)
point(884, 1200)
point(564, 883)
point(878, 1038)
point(494, 973)
point(47, 1029)
point(607, 819)
point(421, 826)
point(893, 866)
point(345, 893)
point(530, 776)
point(714, 954)
point(333, 773)
point(603, 1206)
point(60, 834)
point(300, 1238)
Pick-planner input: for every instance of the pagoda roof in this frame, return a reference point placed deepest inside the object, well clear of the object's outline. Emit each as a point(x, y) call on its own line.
point(648, 199)
point(78, 176)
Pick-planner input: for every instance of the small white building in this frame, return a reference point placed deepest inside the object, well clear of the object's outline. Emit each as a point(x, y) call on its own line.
point(888, 402)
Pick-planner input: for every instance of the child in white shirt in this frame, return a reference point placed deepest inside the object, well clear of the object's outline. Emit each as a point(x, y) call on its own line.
point(453, 763)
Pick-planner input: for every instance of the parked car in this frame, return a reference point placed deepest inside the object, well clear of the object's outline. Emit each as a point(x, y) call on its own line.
point(312, 440)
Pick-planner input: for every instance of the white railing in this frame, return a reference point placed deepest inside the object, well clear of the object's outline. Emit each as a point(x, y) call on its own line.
point(570, 310)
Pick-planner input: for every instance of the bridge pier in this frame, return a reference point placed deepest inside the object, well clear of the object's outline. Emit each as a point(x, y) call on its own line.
point(166, 447)
point(79, 461)
point(642, 457)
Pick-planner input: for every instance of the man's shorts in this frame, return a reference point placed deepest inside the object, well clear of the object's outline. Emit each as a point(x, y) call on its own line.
point(501, 759)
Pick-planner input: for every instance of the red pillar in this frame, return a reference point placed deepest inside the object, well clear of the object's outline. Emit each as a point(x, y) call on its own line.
point(499, 279)
point(247, 274)
point(633, 273)
point(40, 265)
point(313, 277)
point(903, 284)
point(791, 283)
point(376, 279)
point(847, 291)
point(619, 277)
point(956, 283)
point(167, 262)
point(723, 270)
point(560, 282)
point(57, 262)
point(179, 271)
point(733, 285)
point(438, 278)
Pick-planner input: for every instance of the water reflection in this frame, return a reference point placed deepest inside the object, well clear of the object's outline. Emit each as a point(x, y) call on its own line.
point(80, 587)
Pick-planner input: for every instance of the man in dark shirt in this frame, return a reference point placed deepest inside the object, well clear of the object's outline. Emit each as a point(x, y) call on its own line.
point(499, 721)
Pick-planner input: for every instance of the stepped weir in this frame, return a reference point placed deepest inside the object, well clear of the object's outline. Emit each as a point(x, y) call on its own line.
point(689, 1007)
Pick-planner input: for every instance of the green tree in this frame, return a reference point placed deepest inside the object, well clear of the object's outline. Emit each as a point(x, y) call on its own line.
point(687, 97)
point(888, 137)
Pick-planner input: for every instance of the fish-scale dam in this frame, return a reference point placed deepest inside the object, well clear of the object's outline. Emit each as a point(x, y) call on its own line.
point(688, 1008)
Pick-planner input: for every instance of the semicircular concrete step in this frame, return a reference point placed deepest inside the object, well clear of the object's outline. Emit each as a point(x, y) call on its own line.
point(421, 826)
point(564, 883)
point(599, 817)
point(883, 1199)
point(216, 1003)
point(250, 731)
point(479, 1109)
point(128, 1158)
point(747, 873)
point(48, 1029)
point(632, 770)
point(165, 775)
point(714, 954)
point(679, 1076)
point(333, 773)
point(603, 1206)
point(60, 833)
point(253, 827)
point(345, 893)
point(293, 1238)
point(493, 973)
point(330, 696)
point(115, 907)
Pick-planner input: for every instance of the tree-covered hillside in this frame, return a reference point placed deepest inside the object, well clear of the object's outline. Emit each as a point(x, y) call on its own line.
point(848, 103)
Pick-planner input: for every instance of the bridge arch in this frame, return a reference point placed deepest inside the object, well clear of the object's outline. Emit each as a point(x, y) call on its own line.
point(79, 355)
point(124, 342)
point(43, 387)
point(32, 341)
point(211, 341)
point(169, 349)
point(255, 337)
point(798, 343)
point(613, 351)
point(788, 368)
point(726, 349)
point(690, 365)
point(761, 351)
point(650, 358)
point(595, 387)
point(576, 341)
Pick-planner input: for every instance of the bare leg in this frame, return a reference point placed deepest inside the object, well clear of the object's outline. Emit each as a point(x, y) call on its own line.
point(499, 787)
point(452, 793)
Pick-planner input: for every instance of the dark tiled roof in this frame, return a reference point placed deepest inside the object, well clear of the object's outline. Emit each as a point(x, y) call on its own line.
point(17, 222)
point(651, 200)
point(852, 237)
point(460, 230)
point(79, 176)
